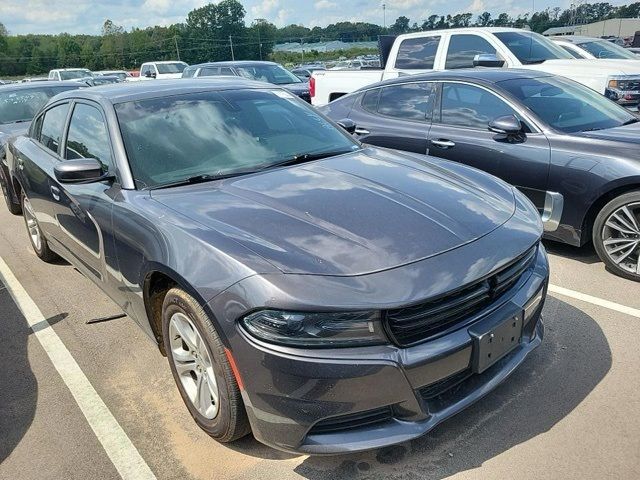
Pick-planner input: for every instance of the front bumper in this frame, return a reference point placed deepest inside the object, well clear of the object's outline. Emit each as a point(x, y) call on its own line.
point(628, 99)
point(330, 401)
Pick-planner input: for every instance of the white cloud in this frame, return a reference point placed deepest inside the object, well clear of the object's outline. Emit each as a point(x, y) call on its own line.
point(325, 5)
point(477, 6)
point(265, 8)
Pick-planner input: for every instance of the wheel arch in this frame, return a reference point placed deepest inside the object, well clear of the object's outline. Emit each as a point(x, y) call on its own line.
point(157, 281)
point(609, 194)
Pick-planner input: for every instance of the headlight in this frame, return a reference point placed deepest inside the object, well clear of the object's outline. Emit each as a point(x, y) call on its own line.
point(624, 83)
point(316, 330)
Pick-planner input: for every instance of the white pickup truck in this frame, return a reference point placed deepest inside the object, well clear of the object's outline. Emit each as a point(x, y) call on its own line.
point(481, 47)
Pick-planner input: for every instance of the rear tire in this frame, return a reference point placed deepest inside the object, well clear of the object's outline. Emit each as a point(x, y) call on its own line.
point(36, 237)
point(200, 368)
point(616, 235)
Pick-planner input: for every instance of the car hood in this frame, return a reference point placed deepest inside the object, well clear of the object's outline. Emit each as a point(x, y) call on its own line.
point(297, 88)
point(358, 213)
point(626, 134)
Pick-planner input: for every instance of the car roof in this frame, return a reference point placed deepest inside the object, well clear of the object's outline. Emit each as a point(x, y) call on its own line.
point(39, 84)
point(164, 61)
point(132, 91)
point(576, 39)
point(238, 63)
point(463, 30)
point(67, 69)
point(486, 75)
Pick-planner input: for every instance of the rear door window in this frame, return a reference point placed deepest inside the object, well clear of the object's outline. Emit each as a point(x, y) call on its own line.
point(53, 124)
point(410, 101)
point(464, 48)
point(417, 53)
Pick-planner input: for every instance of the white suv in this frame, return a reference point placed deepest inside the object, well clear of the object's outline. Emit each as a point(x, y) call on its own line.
point(69, 74)
point(160, 70)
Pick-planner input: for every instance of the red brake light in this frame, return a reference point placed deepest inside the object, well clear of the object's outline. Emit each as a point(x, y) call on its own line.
point(312, 87)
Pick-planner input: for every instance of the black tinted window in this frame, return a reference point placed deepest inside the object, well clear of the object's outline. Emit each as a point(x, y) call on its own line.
point(531, 48)
point(22, 104)
point(370, 100)
point(571, 52)
point(471, 106)
point(52, 126)
point(417, 53)
point(88, 137)
point(464, 48)
point(411, 101)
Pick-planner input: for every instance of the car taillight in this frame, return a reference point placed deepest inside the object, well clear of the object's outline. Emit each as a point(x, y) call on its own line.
point(312, 87)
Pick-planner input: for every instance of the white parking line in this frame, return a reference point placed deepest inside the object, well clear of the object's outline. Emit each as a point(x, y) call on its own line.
point(634, 312)
point(122, 453)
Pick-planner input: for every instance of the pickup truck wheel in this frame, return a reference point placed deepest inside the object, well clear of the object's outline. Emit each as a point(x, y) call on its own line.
point(7, 192)
point(616, 235)
point(36, 237)
point(201, 369)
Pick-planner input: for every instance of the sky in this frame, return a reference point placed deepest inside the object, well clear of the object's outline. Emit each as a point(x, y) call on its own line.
point(87, 16)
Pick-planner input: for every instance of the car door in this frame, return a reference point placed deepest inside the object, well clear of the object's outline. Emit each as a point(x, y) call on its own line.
point(396, 116)
point(460, 133)
point(84, 210)
point(35, 160)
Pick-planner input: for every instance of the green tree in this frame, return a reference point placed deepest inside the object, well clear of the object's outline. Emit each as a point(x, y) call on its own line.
point(484, 19)
point(401, 25)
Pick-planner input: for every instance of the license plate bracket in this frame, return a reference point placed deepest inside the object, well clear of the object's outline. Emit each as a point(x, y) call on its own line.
point(493, 343)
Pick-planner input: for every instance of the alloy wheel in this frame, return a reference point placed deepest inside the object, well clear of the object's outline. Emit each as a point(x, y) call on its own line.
point(621, 237)
point(193, 365)
point(32, 225)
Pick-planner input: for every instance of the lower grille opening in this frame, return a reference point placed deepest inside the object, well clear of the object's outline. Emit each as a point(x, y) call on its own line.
point(353, 420)
point(441, 386)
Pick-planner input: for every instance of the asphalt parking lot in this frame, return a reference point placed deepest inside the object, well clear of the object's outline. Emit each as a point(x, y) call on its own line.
point(571, 411)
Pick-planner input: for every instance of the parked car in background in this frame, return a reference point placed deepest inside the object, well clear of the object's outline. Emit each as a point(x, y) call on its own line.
point(123, 76)
point(350, 65)
point(19, 103)
point(162, 70)
point(60, 74)
point(34, 79)
point(634, 50)
point(574, 153)
point(328, 297)
point(471, 47)
point(269, 72)
point(303, 72)
point(593, 48)
point(100, 80)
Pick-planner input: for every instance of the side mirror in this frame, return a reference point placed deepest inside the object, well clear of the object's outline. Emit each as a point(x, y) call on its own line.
point(506, 125)
point(488, 60)
point(83, 170)
point(348, 124)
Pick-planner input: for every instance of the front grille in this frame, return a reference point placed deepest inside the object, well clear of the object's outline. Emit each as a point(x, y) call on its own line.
point(630, 85)
point(414, 324)
point(352, 420)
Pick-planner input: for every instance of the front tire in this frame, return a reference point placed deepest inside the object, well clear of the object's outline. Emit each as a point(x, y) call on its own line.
point(36, 237)
point(616, 235)
point(200, 368)
point(7, 192)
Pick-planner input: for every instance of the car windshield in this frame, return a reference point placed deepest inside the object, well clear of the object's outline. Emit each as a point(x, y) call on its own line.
point(604, 49)
point(268, 73)
point(176, 138)
point(22, 105)
point(531, 48)
point(74, 74)
point(176, 67)
point(566, 105)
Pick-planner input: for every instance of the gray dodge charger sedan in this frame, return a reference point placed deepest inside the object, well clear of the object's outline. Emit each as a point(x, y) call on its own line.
point(326, 296)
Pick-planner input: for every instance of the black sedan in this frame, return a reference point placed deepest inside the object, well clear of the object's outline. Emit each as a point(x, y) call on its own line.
point(328, 297)
point(19, 102)
point(574, 153)
point(269, 72)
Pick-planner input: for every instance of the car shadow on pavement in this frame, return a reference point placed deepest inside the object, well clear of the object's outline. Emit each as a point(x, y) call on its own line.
point(573, 358)
point(18, 384)
point(585, 254)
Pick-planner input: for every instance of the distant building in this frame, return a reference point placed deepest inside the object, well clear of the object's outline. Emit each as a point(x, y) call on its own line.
point(614, 27)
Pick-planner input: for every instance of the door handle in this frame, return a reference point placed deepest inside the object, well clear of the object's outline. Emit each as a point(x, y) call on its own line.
point(361, 131)
point(442, 143)
point(55, 193)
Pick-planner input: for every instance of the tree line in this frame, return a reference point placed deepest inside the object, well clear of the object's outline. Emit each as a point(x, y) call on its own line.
point(219, 31)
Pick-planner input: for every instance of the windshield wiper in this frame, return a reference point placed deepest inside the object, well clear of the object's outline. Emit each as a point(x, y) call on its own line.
point(306, 157)
point(197, 179)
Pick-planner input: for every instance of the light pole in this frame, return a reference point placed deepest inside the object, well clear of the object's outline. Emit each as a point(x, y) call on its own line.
point(384, 15)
